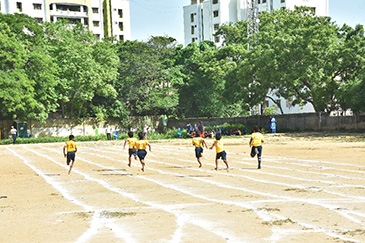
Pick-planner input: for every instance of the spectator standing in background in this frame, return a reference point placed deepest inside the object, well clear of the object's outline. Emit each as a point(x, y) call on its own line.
point(201, 129)
point(108, 132)
point(145, 130)
point(13, 133)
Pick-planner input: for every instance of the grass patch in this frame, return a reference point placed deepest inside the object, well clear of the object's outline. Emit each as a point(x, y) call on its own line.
point(84, 215)
point(278, 222)
point(294, 189)
point(270, 209)
point(107, 214)
point(354, 232)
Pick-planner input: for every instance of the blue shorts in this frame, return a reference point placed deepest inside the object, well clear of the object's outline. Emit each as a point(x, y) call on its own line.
point(70, 156)
point(132, 152)
point(256, 150)
point(141, 153)
point(198, 152)
point(222, 155)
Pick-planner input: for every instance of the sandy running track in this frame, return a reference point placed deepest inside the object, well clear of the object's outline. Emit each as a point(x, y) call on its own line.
point(307, 191)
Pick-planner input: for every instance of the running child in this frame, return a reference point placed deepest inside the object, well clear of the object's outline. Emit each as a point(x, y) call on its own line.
point(221, 153)
point(198, 142)
point(71, 148)
point(256, 143)
point(141, 146)
point(132, 147)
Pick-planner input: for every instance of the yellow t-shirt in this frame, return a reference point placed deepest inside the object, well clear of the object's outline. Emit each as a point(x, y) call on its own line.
point(219, 146)
point(257, 139)
point(141, 144)
point(198, 142)
point(132, 142)
point(71, 146)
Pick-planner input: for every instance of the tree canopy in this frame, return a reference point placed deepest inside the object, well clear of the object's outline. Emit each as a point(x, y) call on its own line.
point(62, 67)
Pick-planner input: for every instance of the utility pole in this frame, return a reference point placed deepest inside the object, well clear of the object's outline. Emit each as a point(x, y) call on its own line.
point(252, 23)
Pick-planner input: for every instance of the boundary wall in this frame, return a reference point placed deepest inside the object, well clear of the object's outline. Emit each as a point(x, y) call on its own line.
point(284, 123)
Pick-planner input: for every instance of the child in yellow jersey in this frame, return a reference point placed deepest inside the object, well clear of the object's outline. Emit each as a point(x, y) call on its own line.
point(132, 147)
point(220, 151)
point(141, 146)
point(256, 143)
point(71, 148)
point(198, 142)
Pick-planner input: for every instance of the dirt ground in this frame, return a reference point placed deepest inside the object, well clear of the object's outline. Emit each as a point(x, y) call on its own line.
point(310, 189)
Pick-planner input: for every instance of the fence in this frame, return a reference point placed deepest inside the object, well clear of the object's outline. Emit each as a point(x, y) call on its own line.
point(284, 123)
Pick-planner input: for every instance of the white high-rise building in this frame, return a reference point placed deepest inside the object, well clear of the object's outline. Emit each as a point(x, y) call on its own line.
point(203, 17)
point(105, 18)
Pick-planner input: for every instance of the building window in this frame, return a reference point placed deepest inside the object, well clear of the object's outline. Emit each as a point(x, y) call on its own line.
point(39, 20)
point(37, 6)
point(95, 10)
point(98, 36)
point(192, 17)
point(114, 9)
point(121, 37)
point(282, 1)
point(192, 30)
point(259, 1)
point(120, 13)
point(19, 6)
point(263, 1)
point(96, 23)
point(215, 1)
point(217, 39)
point(216, 26)
point(121, 26)
point(193, 40)
point(215, 13)
point(283, 8)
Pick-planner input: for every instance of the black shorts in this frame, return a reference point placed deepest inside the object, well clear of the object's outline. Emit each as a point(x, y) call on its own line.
point(198, 151)
point(256, 150)
point(70, 156)
point(132, 152)
point(222, 155)
point(141, 153)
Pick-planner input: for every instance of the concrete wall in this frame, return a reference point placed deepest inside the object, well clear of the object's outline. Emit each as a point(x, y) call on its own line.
point(284, 123)
point(88, 127)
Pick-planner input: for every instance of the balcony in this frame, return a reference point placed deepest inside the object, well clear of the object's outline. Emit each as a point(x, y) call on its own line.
point(68, 11)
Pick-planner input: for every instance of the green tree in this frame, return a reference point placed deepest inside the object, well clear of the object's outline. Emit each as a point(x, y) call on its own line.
point(81, 73)
point(204, 67)
point(148, 78)
point(27, 81)
point(293, 58)
point(350, 71)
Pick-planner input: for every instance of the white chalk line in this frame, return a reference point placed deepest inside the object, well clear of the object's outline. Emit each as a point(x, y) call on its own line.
point(198, 222)
point(285, 158)
point(328, 232)
point(96, 219)
point(267, 158)
point(287, 176)
point(270, 182)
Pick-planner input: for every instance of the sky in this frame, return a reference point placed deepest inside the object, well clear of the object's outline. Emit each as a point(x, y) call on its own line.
point(165, 17)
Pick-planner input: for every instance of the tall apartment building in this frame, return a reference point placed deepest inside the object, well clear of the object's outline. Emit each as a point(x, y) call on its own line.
point(105, 18)
point(203, 17)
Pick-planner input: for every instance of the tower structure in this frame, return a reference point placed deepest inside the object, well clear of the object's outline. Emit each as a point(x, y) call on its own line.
point(252, 23)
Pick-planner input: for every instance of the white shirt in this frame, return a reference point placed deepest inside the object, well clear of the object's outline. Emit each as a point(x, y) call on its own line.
point(13, 131)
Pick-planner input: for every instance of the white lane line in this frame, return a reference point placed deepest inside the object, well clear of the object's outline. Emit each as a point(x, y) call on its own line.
point(96, 222)
point(275, 160)
point(244, 205)
point(191, 220)
point(294, 178)
point(270, 195)
point(279, 158)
